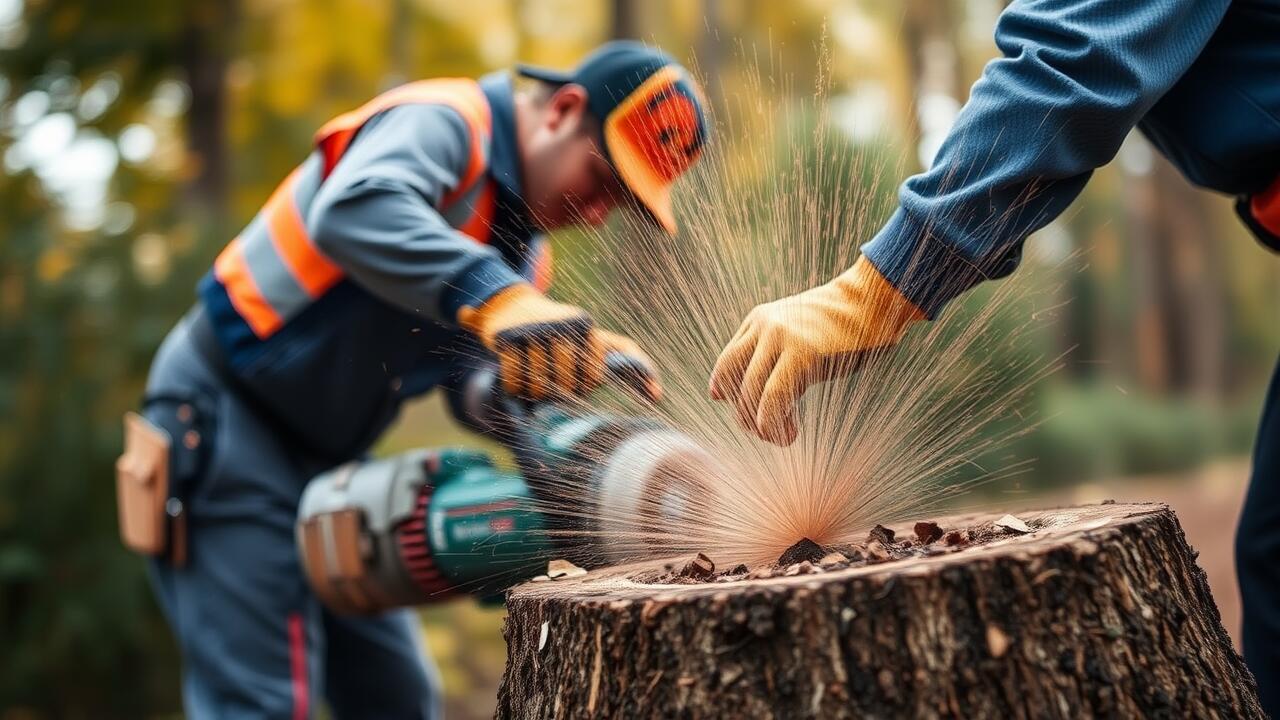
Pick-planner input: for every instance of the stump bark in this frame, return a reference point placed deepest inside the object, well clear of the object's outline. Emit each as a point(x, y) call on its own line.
point(1101, 611)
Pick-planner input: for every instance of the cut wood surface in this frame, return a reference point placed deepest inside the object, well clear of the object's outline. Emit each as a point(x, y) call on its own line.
point(1099, 610)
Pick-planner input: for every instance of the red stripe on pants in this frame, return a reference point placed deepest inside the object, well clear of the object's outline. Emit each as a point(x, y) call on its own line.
point(298, 667)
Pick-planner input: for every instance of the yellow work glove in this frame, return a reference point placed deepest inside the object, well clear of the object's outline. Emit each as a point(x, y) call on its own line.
point(785, 346)
point(545, 348)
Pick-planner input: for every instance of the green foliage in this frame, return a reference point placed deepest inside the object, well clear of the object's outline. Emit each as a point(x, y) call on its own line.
point(74, 606)
point(1096, 431)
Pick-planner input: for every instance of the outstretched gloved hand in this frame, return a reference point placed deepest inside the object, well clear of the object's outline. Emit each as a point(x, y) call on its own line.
point(546, 348)
point(785, 346)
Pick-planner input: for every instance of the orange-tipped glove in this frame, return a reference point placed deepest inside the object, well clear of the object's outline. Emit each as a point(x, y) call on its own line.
point(785, 346)
point(544, 348)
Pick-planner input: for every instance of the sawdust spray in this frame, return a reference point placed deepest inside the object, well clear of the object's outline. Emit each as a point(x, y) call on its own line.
point(779, 203)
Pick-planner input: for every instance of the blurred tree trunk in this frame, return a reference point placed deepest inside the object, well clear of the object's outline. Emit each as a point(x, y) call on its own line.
point(203, 54)
point(1196, 289)
point(1149, 283)
point(1080, 340)
point(401, 32)
point(710, 45)
point(711, 53)
point(1177, 286)
point(626, 20)
point(929, 32)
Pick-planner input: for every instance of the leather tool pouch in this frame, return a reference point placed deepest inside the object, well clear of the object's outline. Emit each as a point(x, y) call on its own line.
point(142, 486)
point(164, 454)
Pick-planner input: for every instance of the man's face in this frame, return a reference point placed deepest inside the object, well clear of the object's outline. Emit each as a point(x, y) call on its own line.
point(567, 180)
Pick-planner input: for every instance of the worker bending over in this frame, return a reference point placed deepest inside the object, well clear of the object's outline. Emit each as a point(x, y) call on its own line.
point(407, 243)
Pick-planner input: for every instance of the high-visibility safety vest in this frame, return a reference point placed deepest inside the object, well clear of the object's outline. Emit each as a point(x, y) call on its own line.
point(272, 270)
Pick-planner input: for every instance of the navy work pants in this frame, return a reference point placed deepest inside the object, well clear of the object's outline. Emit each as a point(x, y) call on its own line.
point(255, 642)
point(1258, 556)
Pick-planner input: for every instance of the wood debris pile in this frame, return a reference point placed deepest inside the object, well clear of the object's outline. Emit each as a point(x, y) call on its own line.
point(882, 545)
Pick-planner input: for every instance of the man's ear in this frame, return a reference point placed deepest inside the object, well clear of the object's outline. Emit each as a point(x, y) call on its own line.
point(567, 104)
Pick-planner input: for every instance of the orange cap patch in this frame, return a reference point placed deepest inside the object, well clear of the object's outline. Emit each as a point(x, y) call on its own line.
point(654, 136)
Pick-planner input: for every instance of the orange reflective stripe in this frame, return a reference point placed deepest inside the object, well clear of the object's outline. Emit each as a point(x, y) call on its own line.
point(480, 224)
point(460, 94)
point(314, 272)
point(334, 146)
point(286, 228)
point(542, 271)
point(233, 272)
point(1265, 208)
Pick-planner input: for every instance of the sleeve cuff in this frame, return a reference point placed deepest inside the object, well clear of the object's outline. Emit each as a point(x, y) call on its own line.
point(922, 267)
point(472, 287)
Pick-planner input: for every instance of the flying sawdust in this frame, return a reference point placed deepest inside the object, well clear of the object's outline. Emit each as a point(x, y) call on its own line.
point(777, 205)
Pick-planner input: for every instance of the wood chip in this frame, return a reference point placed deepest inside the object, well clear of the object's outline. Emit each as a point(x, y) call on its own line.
point(928, 532)
point(997, 641)
point(834, 558)
point(956, 538)
point(542, 635)
point(803, 568)
point(804, 549)
point(699, 568)
point(557, 569)
point(880, 534)
point(539, 578)
point(1012, 524)
point(876, 553)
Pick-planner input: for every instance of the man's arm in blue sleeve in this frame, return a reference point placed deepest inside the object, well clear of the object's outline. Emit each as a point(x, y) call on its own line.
point(377, 215)
point(1075, 77)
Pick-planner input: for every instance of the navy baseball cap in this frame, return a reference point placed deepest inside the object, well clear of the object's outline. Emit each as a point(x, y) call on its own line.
point(652, 113)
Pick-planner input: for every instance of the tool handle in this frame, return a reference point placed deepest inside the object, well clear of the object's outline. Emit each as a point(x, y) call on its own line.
point(479, 402)
point(631, 373)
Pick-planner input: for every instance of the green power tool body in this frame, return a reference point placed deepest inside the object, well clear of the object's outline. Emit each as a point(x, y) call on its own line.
point(426, 525)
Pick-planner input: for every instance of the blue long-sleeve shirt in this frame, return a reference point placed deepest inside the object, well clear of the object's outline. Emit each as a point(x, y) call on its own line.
point(1201, 78)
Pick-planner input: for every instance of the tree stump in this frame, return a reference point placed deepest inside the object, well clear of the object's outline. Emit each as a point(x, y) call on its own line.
point(1099, 611)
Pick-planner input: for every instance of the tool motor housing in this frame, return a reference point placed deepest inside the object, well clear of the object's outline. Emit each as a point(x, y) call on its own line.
point(416, 528)
point(424, 525)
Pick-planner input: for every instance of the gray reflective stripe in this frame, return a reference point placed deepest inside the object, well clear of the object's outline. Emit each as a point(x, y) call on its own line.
point(269, 272)
point(308, 183)
point(274, 279)
point(363, 238)
point(460, 211)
